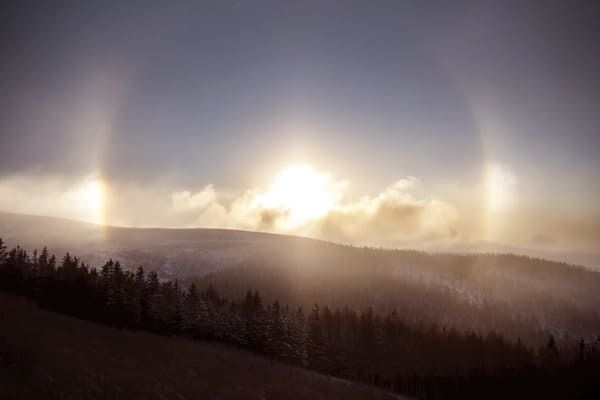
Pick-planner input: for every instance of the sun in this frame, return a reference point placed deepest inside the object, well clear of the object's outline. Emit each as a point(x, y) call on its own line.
point(301, 194)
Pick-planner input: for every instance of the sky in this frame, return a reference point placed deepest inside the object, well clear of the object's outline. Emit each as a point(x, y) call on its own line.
point(388, 123)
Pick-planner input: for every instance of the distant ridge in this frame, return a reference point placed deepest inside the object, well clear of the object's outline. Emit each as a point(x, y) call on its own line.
point(38, 230)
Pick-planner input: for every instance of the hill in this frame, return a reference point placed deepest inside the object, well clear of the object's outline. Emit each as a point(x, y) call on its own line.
point(518, 296)
point(432, 345)
point(52, 356)
point(184, 252)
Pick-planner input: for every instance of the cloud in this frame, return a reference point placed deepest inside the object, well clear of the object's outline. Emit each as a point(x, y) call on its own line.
point(185, 200)
point(401, 213)
point(78, 199)
point(312, 203)
point(197, 209)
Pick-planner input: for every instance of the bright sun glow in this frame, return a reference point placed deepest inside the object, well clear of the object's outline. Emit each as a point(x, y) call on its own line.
point(500, 183)
point(88, 201)
point(302, 194)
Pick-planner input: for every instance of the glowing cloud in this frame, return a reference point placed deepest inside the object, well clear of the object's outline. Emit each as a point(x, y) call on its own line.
point(400, 214)
point(302, 200)
point(88, 200)
point(82, 199)
point(301, 194)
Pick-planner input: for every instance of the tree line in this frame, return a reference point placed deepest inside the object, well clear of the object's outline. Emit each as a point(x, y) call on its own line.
point(381, 349)
point(516, 296)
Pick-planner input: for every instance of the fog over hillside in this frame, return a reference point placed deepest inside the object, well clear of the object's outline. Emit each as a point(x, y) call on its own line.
point(182, 252)
point(517, 295)
point(170, 252)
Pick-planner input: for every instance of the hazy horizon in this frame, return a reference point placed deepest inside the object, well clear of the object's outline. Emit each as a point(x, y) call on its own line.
point(39, 228)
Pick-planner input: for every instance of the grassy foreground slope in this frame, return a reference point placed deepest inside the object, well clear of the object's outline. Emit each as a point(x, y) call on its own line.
point(52, 356)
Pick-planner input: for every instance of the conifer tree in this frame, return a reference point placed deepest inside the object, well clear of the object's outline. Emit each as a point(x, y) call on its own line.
point(3, 254)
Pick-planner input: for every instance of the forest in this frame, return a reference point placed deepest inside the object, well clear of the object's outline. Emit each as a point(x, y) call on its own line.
point(391, 349)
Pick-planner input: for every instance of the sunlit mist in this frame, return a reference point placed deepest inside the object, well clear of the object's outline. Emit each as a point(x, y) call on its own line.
point(302, 194)
point(82, 199)
point(500, 186)
point(90, 198)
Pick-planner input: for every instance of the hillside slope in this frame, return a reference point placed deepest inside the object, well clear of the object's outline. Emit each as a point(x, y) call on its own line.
point(518, 296)
point(185, 252)
point(51, 356)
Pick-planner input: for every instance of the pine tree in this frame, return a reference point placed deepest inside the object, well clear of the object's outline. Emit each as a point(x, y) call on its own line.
point(3, 254)
point(275, 331)
point(154, 298)
point(191, 305)
point(315, 336)
point(299, 337)
point(140, 296)
point(549, 354)
point(44, 263)
point(52, 263)
point(106, 274)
